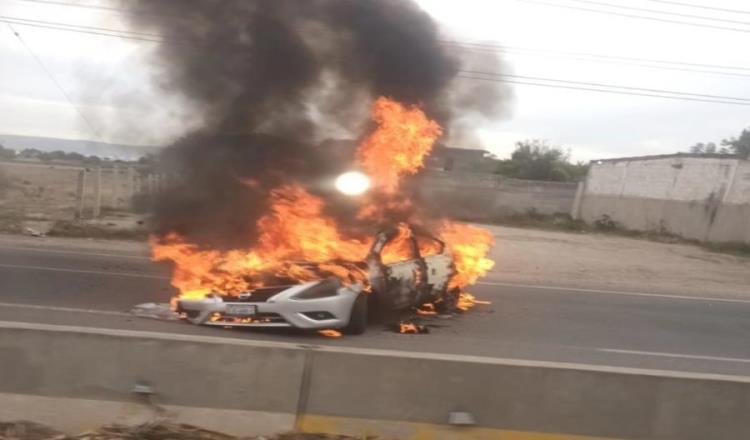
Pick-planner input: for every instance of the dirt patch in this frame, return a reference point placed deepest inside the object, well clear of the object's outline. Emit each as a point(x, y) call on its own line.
point(595, 260)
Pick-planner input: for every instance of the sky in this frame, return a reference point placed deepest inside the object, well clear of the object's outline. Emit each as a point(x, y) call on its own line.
point(109, 80)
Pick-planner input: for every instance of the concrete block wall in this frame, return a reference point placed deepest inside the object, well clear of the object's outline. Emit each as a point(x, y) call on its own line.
point(78, 378)
point(697, 197)
point(485, 197)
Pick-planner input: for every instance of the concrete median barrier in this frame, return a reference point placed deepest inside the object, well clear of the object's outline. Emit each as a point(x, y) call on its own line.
point(77, 378)
point(90, 377)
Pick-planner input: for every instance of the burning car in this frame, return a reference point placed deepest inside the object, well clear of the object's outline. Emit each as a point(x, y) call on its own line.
point(406, 267)
point(303, 261)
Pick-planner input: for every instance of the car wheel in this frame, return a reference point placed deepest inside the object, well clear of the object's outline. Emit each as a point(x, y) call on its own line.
point(358, 320)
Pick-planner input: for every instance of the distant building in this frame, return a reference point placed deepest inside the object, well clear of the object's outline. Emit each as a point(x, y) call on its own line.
point(460, 159)
point(699, 196)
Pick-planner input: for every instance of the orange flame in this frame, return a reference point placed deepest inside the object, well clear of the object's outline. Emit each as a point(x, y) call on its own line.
point(469, 246)
point(292, 235)
point(426, 310)
point(399, 145)
point(466, 301)
point(410, 328)
point(329, 333)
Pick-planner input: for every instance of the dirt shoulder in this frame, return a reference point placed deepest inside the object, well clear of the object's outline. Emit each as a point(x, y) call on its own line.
point(602, 261)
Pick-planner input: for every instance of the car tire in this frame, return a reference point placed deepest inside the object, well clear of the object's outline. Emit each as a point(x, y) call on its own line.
point(358, 320)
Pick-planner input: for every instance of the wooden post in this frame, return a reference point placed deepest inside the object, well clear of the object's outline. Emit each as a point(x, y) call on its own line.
point(115, 182)
point(80, 187)
point(131, 185)
point(97, 192)
point(575, 211)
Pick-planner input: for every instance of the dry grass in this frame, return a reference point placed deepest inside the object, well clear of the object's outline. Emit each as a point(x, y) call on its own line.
point(157, 430)
point(63, 228)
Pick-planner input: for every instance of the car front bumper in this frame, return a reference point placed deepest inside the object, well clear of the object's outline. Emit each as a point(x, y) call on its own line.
point(284, 309)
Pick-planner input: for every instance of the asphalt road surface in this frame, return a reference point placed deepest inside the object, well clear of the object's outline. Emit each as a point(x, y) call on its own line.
point(89, 287)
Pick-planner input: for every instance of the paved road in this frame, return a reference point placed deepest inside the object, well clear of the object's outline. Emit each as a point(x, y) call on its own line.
point(56, 284)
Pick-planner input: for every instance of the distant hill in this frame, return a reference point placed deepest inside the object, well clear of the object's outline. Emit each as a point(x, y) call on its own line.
point(87, 148)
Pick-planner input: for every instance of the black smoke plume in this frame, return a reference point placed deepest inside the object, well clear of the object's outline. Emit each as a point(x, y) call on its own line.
point(270, 80)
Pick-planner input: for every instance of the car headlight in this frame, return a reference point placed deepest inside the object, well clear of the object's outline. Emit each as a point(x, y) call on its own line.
point(323, 289)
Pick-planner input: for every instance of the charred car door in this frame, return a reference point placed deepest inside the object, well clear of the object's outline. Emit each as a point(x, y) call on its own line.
point(398, 283)
point(440, 267)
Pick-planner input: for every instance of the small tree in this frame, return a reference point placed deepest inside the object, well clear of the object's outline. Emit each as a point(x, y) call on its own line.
point(701, 148)
point(93, 160)
point(739, 145)
point(29, 153)
point(6, 153)
point(537, 160)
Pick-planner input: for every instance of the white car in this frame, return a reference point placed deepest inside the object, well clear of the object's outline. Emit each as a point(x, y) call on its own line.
point(328, 304)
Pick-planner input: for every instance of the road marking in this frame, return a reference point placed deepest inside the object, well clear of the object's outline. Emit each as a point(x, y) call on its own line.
point(617, 292)
point(675, 355)
point(57, 251)
point(96, 272)
point(605, 350)
point(63, 309)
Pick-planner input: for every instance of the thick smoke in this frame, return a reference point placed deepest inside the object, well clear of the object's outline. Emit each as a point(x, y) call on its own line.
point(270, 81)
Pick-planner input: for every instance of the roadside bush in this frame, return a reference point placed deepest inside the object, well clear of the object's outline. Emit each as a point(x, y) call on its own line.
point(606, 223)
point(533, 218)
point(4, 182)
point(62, 228)
point(10, 223)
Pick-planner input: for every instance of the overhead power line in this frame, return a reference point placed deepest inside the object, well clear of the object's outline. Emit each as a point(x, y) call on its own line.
point(693, 5)
point(500, 47)
point(592, 89)
point(82, 27)
point(641, 17)
point(731, 71)
point(116, 33)
point(156, 38)
point(113, 9)
point(76, 5)
point(512, 79)
point(658, 11)
point(100, 7)
point(597, 84)
point(57, 84)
